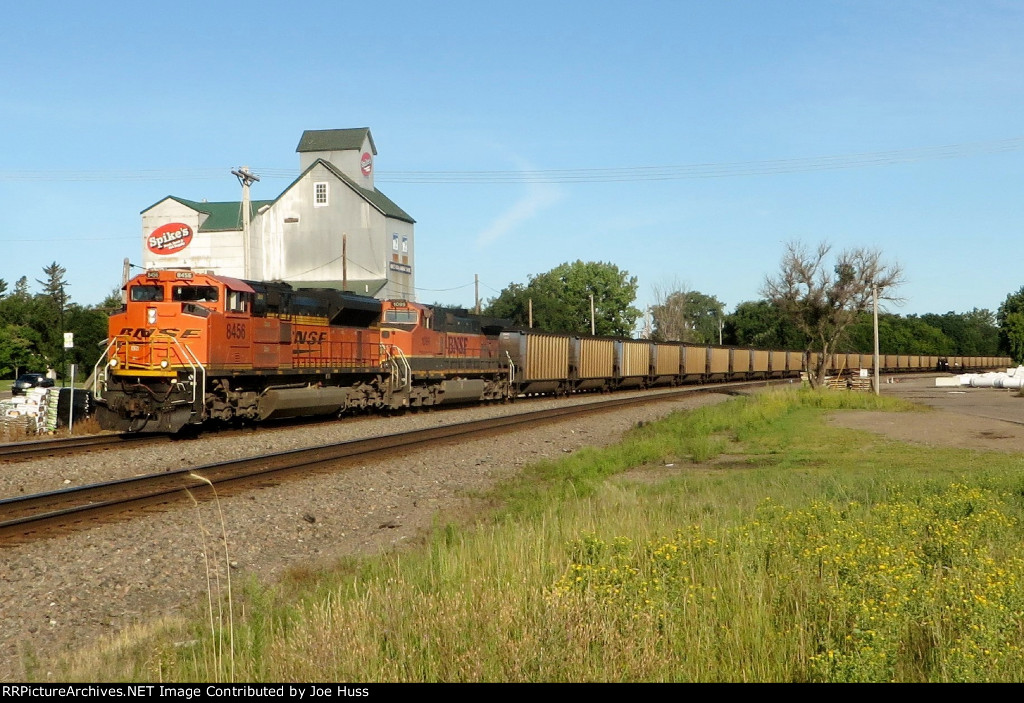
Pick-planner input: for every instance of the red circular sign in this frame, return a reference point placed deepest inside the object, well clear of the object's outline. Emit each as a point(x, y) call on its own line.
point(169, 238)
point(366, 163)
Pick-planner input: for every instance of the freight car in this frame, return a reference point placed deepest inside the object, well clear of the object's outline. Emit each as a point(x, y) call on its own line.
point(189, 348)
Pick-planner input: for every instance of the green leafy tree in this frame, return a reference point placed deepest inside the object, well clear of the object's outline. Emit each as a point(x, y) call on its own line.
point(16, 308)
point(972, 333)
point(21, 337)
point(822, 294)
point(32, 326)
point(897, 335)
point(1013, 329)
point(89, 325)
point(561, 300)
point(50, 313)
point(1010, 317)
point(513, 303)
point(761, 324)
point(17, 344)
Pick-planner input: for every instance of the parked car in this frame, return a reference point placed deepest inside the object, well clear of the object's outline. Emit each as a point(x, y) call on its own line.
point(30, 380)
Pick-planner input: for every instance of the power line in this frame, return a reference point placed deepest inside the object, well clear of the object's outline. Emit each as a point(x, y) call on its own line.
point(710, 170)
point(126, 237)
point(443, 290)
point(578, 175)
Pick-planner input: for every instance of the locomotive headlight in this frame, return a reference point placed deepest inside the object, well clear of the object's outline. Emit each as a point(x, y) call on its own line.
point(151, 315)
point(164, 364)
point(113, 363)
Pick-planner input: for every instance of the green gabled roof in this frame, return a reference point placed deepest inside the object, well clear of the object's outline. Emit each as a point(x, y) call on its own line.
point(222, 216)
point(374, 197)
point(228, 215)
point(334, 139)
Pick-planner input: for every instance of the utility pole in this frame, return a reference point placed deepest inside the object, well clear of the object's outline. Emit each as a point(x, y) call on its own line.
point(592, 325)
point(126, 273)
point(344, 260)
point(874, 302)
point(246, 178)
point(476, 291)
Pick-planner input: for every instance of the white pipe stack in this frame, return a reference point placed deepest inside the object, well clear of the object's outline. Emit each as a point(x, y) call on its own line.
point(1011, 378)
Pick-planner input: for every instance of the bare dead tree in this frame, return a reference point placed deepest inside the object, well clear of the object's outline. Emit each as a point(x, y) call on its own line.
point(823, 295)
point(669, 311)
point(684, 315)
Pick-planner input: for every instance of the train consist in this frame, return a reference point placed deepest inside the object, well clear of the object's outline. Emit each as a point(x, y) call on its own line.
point(190, 348)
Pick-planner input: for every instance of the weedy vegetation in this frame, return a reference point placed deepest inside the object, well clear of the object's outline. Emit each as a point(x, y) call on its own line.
point(747, 541)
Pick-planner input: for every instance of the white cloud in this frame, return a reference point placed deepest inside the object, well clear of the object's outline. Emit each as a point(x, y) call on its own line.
point(538, 197)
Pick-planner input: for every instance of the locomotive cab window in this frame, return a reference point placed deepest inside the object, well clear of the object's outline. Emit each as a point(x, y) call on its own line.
point(401, 318)
point(237, 301)
point(147, 294)
point(194, 294)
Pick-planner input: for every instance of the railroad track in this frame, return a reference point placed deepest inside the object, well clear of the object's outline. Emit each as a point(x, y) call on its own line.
point(67, 446)
point(62, 446)
point(33, 517)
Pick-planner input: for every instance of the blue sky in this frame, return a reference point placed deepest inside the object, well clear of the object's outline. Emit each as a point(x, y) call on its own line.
point(108, 107)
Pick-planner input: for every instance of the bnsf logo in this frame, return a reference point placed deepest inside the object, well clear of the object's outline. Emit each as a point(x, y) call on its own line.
point(457, 345)
point(309, 338)
point(143, 333)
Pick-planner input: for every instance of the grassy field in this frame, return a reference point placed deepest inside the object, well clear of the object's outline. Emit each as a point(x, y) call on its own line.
point(747, 541)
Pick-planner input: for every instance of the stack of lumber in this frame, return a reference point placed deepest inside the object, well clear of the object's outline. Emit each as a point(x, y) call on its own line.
point(852, 382)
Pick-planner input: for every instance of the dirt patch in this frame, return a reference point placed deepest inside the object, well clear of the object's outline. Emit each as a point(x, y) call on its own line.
point(939, 429)
point(965, 418)
point(971, 418)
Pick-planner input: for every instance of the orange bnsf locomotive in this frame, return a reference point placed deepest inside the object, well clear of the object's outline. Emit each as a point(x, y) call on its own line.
point(191, 347)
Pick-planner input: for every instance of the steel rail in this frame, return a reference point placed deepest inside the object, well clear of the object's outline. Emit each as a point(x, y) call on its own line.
point(31, 449)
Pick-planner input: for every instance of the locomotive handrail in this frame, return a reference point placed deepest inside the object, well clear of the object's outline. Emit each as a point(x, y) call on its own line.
point(389, 362)
point(399, 363)
point(96, 370)
point(406, 369)
point(183, 354)
point(193, 363)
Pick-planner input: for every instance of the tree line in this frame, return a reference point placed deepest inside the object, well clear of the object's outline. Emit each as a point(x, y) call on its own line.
point(32, 326)
point(819, 300)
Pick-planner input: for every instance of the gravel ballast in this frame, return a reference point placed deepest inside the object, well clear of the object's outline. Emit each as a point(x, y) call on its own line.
point(66, 592)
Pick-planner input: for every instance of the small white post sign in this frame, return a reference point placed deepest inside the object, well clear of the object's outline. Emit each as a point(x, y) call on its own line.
point(69, 343)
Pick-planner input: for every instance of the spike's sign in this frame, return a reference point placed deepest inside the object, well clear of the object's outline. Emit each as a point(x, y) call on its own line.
point(169, 238)
point(366, 163)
